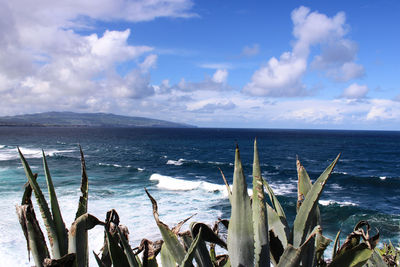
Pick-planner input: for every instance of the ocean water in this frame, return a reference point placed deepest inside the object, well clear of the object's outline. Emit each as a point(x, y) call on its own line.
point(179, 167)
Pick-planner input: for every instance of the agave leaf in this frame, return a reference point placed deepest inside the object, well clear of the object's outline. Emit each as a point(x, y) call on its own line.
point(354, 257)
point(44, 209)
point(305, 215)
point(274, 201)
point(321, 243)
point(77, 237)
point(170, 239)
point(167, 260)
point(98, 260)
point(62, 233)
point(291, 257)
point(150, 251)
point(202, 255)
point(65, 261)
point(33, 234)
point(128, 250)
point(83, 199)
point(376, 260)
point(304, 186)
point(240, 230)
point(228, 188)
point(188, 259)
point(336, 245)
point(260, 216)
point(117, 255)
point(277, 225)
point(208, 234)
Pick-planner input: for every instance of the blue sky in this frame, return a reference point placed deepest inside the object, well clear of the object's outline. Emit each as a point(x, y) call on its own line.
point(264, 64)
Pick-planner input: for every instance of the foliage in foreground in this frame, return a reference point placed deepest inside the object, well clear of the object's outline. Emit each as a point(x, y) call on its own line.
point(258, 232)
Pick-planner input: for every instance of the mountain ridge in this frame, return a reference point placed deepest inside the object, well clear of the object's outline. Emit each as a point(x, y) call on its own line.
point(74, 119)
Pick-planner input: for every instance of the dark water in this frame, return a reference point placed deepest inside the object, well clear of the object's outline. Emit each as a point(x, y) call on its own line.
point(180, 168)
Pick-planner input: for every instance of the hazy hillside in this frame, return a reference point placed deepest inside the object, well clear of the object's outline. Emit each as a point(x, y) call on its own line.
point(63, 119)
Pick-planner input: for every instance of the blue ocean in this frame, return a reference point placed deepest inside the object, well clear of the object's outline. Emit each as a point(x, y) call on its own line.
point(180, 168)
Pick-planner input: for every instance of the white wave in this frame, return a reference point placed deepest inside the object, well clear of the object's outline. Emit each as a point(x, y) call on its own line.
point(175, 162)
point(170, 183)
point(113, 165)
point(333, 202)
point(11, 153)
point(140, 169)
point(382, 177)
point(284, 189)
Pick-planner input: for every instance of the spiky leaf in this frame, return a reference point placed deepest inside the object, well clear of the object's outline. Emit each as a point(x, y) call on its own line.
point(187, 260)
point(77, 237)
point(62, 233)
point(305, 215)
point(240, 230)
point(167, 260)
point(170, 239)
point(83, 199)
point(33, 234)
point(127, 250)
point(260, 216)
point(44, 209)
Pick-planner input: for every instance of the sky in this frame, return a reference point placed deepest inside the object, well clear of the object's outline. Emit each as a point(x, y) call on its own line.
point(239, 64)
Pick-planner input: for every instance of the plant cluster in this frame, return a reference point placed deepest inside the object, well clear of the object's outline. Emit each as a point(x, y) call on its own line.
point(258, 233)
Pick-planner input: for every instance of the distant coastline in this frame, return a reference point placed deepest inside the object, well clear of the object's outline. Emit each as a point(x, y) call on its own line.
point(85, 120)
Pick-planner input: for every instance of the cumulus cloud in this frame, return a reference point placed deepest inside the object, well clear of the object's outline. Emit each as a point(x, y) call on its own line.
point(283, 77)
point(218, 82)
point(220, 76)
point(44, 60)
point(355, 91)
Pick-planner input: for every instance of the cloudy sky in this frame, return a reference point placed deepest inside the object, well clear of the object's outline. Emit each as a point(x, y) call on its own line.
point(264, 64)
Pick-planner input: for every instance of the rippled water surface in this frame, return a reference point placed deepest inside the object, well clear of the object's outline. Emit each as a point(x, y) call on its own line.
point(180, 168)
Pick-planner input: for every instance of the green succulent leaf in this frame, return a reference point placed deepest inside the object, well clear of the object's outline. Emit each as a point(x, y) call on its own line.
point(62, 233)
point(167, 260)
point(77, 237)
point(240, 229)
point(170, 239)
point(44, 209)
point(202, 255)
point(305, 215)
point(304, 186)
point(321, 243)
point(33, 234)
point(276, 205)
point(127, 250)
point(336, 244)
point(83, 199)
point(354, 257)
point(260, 216)
point(290, 257)
point(187, 260)
point(376, 260)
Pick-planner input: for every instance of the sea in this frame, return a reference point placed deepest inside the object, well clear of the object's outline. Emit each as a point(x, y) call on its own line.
point(180, 168)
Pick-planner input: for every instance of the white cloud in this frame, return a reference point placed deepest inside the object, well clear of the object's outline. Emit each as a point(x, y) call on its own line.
point(249, 51)
point(355, 91)
point(149, 63)
point(283, 77)
point(278, 78)
point(218, 82)
point(220, 76)
point(44, 60)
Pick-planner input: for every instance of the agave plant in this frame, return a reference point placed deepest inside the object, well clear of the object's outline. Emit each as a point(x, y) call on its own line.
point(256, 225)
point(258, 231)
point(68, 248)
